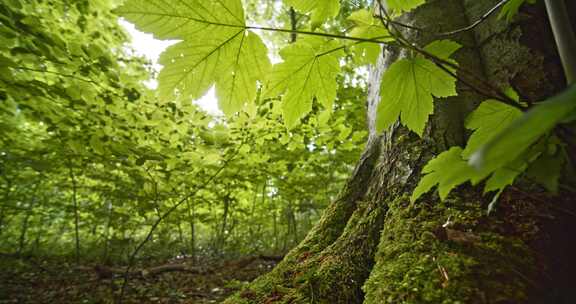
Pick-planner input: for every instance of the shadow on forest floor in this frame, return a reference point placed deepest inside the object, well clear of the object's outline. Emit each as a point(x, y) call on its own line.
point(29, 280)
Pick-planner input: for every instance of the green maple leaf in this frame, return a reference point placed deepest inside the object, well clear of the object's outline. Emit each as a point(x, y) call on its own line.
point(524, 131)
point(404, 5)
point(510, 9)
point(488, 120)
point(369, 27)
point(320, 9)
point(447, 170)
point(443, 49)
point(216, 48)
point(546, 170)
point(505, 176)
point(409, 85)
point(309, 71)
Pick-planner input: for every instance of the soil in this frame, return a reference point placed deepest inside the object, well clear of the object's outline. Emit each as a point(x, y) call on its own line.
point(33, 280)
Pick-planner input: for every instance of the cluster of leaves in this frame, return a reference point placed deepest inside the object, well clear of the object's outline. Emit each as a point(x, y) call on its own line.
point(86, 146)
point(305, 77)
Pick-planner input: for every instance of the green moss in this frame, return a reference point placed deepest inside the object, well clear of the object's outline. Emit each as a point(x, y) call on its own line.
point(334, 275)
point(418, 261)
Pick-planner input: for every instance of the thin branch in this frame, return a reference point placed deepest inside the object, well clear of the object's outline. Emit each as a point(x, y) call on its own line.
point(294, 24)
point(263, 28)
point(477, 22)
point(472, 26)
point(327, 35)
point(489, 90)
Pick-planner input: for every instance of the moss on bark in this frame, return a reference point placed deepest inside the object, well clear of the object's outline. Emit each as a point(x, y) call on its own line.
point(448, 252)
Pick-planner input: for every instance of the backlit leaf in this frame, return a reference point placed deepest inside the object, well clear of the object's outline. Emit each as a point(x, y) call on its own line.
point(407, 91)
point(215, 48)
point(446, 170)
point(525, 131)
point(369, 27)
point(488, 120)
point(320, 9)
point(309, 71)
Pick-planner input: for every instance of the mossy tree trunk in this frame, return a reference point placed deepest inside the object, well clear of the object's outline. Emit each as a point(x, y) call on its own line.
point(372, 246)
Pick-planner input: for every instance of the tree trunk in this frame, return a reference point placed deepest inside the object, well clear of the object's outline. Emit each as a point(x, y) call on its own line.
point(372, 246)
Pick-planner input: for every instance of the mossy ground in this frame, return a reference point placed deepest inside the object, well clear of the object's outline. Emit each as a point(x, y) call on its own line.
point(448, 252)
point(332, 275)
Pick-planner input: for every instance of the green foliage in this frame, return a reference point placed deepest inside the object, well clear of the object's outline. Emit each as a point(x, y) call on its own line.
point(510, 9)
point(525, 131)
point(409, 85)
point(308, 71)
point(546, 170)
point(74, 111)
point(489, 119)
point(367, 26)
point(404, 5)
point(216, 49)
point(446, 171)
point(320, 9)
point(504, 144)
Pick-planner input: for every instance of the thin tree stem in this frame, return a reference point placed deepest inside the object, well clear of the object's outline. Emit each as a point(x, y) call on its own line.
point(76, 215)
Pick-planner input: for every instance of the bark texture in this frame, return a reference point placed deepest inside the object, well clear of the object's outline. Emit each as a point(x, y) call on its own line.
point(373, 246)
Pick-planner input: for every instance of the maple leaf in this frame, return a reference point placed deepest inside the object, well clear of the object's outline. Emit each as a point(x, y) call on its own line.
point(408, 87)
point(309, 71)
point(215, 49)
point(320, 9)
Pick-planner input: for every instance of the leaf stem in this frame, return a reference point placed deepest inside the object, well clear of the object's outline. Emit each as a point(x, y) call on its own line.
point(327, 35)
point(476, 23)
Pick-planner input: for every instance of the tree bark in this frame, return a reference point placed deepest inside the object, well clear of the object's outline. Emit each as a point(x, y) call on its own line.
point(372, 246)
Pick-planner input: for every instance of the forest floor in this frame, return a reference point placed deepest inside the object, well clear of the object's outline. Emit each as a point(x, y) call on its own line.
point(30, 280)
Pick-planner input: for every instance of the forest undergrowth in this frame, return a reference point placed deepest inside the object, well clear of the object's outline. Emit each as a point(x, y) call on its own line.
point(28, 279)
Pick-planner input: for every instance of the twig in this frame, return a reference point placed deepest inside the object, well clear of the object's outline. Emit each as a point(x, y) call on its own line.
point(294, 25)
point(476, 23)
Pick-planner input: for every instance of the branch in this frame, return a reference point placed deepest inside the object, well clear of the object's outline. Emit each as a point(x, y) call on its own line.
point(294, 24)
point(476, 23)
point(327, 35)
